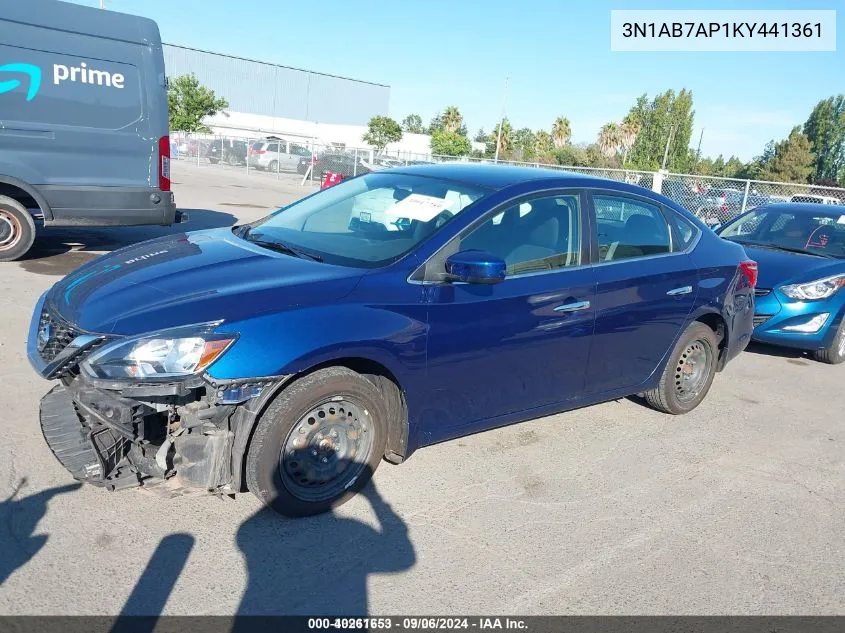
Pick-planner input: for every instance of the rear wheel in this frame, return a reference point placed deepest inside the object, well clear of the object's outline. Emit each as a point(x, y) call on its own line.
point(17, 229)
point(835, 352)
point(689, 372)
point(273, 166)
point(318, 443)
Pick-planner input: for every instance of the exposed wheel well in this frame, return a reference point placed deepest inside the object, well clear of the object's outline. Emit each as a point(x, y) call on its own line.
point(716, 323)
point(18, 194)
point(397, 439)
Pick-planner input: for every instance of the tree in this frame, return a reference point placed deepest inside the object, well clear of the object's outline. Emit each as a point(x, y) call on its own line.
point(505, 141)
point(793, 159)
point(628, 132)
point(825, 129)
point(382, 130)
point(413, 124)
point(561, 132)
point(452, 119)
point(666, 118)
point(445, 143)
point(439, 121)
point(543, 142)
point(480, 136)
point(609, 140)
point(525, 144)
point(188, 103)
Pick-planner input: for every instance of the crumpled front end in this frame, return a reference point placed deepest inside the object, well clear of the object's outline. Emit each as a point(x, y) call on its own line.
point(120, 434)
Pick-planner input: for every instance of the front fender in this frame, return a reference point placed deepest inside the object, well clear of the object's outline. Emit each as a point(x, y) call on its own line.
point(294, 341)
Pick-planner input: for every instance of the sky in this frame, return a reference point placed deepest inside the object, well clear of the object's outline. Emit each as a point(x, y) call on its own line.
point(556, 54)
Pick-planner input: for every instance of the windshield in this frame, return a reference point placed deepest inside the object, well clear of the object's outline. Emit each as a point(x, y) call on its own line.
point(818, 233)
point(367, 221)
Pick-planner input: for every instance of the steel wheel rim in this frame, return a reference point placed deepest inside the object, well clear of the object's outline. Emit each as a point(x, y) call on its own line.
point(692, 370)
point(842, 342)
point(10, 230)
point(326, 450)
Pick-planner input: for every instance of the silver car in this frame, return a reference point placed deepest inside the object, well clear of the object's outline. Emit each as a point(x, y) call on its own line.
point(276, 155)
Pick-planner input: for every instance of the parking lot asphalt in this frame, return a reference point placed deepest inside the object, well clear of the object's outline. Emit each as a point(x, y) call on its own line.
point(735, 508)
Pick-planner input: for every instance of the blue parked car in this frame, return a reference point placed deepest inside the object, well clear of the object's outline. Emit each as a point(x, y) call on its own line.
point(800, 249)
point(290, 356)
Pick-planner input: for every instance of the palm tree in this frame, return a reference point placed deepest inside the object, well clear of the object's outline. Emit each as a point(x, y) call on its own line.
point(506, 139)
point(452, 119)
point(609, 139)
point(628, 132)
point(561, 132)
point(543, 142)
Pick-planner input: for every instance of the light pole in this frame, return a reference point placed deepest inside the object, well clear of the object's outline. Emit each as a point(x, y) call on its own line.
point(502, 122)
point(668, 142)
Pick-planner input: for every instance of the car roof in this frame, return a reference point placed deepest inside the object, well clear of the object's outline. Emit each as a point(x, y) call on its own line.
point(495, 176)
point(803, 207)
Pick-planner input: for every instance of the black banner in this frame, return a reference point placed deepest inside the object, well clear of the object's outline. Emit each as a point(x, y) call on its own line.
point(423, 624)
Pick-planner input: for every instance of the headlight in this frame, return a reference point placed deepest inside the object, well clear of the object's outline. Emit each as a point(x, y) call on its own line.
point(166, 354)
point(820, 289)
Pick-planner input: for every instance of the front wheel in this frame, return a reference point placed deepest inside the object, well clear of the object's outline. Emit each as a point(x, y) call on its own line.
point(834, 353)
point(273, 166)
point(317, 443)
point(689, 372)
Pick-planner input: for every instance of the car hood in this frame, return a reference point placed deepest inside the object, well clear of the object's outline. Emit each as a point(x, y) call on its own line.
point(192, 278)
point(779, 267)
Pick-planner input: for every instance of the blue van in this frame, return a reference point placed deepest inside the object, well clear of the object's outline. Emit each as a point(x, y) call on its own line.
point(83, 121)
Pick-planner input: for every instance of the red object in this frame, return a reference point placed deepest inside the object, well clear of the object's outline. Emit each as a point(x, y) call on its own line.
point(331, 178)
point(164, 163)
point(749, 269)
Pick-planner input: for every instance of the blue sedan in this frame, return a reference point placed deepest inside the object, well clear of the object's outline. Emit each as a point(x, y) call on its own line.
point(800, 249)
point(405, 307)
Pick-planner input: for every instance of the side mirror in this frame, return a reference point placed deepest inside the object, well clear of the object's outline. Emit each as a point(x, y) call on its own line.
point(476, 267)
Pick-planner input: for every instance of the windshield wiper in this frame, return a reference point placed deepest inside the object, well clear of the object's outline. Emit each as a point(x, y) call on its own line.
point(281, 247)
point(789, 249)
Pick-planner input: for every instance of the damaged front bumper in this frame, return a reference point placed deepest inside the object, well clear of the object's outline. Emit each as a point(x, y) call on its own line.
point(144, 435)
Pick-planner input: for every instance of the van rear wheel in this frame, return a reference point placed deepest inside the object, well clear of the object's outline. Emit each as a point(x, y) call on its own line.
point(17, 229)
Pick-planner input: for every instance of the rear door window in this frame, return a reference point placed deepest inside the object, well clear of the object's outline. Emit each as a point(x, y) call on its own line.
point(629, 228)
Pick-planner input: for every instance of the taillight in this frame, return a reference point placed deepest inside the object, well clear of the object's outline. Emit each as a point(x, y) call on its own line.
point(164, 163)
point(724, 207)
point(749, 269)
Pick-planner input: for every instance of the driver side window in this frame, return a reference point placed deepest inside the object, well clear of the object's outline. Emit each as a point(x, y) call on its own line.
point(542, 233)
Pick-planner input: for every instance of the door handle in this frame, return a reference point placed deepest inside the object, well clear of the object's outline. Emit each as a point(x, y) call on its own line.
point(573, 307)
point(683, 290)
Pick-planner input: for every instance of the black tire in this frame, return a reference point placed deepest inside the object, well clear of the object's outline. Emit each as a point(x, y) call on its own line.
point(273, 166)
point(275, 429)
point(17, 229)
point(834, 353)
point(671, 394)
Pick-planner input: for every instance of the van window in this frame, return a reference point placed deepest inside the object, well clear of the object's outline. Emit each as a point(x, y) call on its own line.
point(59, 89)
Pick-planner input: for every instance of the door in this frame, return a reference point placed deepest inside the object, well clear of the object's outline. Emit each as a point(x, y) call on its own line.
point(522, 343)
point(647, 285)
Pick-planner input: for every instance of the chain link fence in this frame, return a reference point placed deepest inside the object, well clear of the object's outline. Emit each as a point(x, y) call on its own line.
point(712, 198)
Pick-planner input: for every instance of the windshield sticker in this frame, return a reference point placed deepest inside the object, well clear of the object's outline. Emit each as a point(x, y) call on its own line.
point(818, 238)
point(418, 207)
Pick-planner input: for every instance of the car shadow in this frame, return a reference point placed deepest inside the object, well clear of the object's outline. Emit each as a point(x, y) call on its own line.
point(781, 352)
point(58, 251)
point(319, 565)
point(19, 517)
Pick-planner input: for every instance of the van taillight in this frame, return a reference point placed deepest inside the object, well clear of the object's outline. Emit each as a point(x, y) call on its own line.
point(749, 269)
point(164, 163)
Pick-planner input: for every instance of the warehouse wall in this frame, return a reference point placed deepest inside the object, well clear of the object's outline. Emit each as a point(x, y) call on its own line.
point(278, 91)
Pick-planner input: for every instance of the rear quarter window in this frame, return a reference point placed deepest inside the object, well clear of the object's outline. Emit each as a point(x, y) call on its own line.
point(65, 90)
